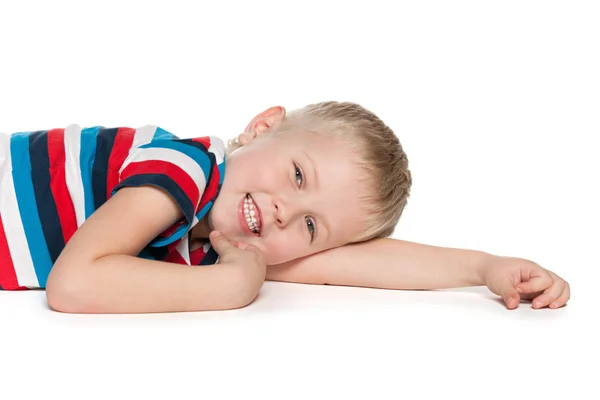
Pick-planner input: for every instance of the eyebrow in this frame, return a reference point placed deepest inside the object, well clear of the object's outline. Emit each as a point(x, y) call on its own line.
point(315, 180)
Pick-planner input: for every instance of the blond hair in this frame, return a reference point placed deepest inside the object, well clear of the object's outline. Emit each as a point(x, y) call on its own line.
point(375, 149)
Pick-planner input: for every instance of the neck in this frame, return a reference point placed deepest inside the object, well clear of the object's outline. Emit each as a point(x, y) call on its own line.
point(201, 230)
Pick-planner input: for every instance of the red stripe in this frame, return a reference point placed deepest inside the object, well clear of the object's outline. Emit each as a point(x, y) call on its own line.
point(58, 183)
point(174, 257)
point(205, 141)
point(120, 151)
point(211, 189)
point(196, 256)
point(8, 276)
point(182, 178)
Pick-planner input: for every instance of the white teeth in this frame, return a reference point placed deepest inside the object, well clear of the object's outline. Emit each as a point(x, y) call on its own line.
point(250, 214)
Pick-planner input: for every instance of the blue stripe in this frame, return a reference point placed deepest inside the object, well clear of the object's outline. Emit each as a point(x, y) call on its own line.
point(105, 141)
point(172, 188)
point(212, 158)
point(200, 157)
point(86, 160)
point(161, 134)
point(178, 234)
point(44, 198)
point(200, 214)
point(19, 148)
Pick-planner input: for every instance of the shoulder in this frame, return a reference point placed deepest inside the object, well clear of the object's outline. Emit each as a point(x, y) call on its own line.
point(193, 147)
point(204, 153)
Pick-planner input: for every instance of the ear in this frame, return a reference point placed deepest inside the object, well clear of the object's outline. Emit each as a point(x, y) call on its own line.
point(262, 123)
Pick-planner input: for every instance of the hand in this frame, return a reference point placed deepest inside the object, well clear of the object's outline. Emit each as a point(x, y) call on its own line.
point(241, 255)
point(515, 278)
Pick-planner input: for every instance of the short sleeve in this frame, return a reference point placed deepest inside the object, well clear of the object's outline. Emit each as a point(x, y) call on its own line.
point(189, 170)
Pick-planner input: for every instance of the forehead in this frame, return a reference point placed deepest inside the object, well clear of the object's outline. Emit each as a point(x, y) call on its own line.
point(337, 185)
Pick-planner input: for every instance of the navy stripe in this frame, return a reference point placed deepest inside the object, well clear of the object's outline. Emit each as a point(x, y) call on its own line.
point(158, 253)
point(166, 183)
point(198, 145)
point(105, 141)
point(146, 254)
point(210, 257)
point(44, 198)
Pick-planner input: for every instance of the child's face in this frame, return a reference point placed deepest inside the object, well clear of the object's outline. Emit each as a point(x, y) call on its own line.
point(301, 183)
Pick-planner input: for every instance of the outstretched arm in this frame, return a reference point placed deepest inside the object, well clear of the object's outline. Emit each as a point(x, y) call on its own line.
point(386, 264)
point(398, 264)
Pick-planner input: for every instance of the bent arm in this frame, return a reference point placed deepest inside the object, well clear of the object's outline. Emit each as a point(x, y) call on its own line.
point(99, 271)
point(386, 264)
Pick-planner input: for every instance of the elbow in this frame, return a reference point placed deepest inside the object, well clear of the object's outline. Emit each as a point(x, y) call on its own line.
point(67, 293)
point(63, 298)
point(245, 298)
point(244, 292)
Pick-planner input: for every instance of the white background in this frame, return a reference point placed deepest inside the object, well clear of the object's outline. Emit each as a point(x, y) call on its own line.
point(497, 105)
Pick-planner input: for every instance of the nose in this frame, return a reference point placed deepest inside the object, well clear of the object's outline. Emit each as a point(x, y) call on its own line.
point(278, 216)
point(284, 211)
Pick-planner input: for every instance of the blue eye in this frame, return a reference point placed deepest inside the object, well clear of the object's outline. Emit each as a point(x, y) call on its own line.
point(311, 227)
point(309, 222)
point(298, 175)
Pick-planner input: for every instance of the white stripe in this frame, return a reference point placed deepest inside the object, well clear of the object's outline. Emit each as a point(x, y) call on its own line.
point(143, 135)
point(11, 217)
point(218, 148)
point(183, 249)
point(72, 142)
point(183, 161)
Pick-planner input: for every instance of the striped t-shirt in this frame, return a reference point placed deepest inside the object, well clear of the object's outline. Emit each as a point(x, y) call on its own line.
point(51, 181)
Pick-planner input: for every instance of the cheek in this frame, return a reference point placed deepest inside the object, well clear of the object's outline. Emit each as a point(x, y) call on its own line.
point(281, 250)
point(259, 172)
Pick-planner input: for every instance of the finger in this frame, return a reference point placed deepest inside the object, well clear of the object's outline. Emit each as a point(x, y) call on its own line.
point(563, 298)
point(509, 294)
point(258, 252)
point(529, 296)
point(512, 300)
point(537, 283)
point(239, 245)
point(220, 242)
point(549, 295)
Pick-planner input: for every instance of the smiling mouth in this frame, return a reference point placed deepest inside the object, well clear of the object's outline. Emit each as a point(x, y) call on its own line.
point(252, 215)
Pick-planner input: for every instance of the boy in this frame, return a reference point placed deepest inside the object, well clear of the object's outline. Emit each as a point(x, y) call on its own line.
point(111, 220)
